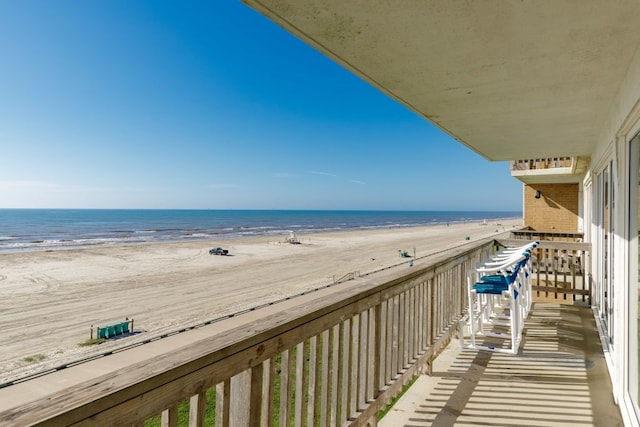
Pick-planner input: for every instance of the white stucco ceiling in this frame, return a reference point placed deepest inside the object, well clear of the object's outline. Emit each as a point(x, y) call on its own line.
point(508, 78)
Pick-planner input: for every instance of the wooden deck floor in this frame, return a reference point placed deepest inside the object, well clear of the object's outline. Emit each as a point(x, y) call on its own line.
point(559, 378)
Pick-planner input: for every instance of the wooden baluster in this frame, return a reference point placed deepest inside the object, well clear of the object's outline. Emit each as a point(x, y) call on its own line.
point(569, 257)
point(420, 321)
point(285, 387)
point(392, 342)
point(313, 369)
point(197, 405)
point(346, 367)
point(546, 272)
point(362, 360)
point(255, 395)
point(170, 416)
point(378, 349)
point(412, 323)
point(223, 403)
point(240, 405)
point(301, 381)
point(343, 363)
point(369, 369)
point(434, 306)
point(324, 383)
point(268, 390)
point(402, 318)
point(553, 260)
point(382, 346)
point(431, 292)
point(354, 365)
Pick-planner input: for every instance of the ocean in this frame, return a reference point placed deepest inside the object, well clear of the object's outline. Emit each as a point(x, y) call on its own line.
point(49, 229)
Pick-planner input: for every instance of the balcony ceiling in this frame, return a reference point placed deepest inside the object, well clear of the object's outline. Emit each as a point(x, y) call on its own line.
point(509, 79)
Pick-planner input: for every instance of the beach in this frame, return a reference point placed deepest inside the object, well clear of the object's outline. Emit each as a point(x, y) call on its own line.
point(50, 299)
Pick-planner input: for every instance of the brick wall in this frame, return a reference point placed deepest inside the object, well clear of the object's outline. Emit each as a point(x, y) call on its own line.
point(556, 209)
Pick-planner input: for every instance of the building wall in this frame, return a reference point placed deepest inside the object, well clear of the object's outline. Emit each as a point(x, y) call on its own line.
point(557, 209)
point(621, 124)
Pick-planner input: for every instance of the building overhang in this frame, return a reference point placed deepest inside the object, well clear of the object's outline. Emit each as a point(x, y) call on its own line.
point(509, 79)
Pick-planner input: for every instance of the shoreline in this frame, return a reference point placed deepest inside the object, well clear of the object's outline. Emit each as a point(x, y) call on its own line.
point(129, 237)
point(50, 298)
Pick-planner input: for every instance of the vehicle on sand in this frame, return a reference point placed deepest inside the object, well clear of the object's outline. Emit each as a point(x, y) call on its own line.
point(218, 251)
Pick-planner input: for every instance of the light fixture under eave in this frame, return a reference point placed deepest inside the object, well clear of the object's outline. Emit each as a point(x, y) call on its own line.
point(538, 194)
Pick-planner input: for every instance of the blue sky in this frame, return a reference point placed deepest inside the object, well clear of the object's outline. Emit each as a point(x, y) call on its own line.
point(120, 104)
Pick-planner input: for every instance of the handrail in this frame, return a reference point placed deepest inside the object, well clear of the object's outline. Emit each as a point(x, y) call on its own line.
point(561, 271)
point(547, 235)
point(361, 345)
point(541, 163)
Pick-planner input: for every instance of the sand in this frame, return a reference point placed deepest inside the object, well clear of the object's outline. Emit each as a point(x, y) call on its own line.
point(50, 299)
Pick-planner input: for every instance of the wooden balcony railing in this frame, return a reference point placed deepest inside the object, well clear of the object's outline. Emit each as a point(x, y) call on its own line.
point(541, 164)
point(334, 360)
point(547, 235)
point(561, 271)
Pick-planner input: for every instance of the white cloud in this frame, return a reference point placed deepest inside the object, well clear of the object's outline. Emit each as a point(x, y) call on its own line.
point(357, 181)
point(323, 173)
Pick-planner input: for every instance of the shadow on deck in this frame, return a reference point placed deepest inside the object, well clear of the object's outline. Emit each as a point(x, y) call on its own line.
point(559, 378)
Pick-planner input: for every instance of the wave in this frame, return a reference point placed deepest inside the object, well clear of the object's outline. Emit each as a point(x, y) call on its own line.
point(99, 228)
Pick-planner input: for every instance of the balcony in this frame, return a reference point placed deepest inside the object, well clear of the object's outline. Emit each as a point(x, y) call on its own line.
point(549, 170)
point(338, 356)
point(559, 378)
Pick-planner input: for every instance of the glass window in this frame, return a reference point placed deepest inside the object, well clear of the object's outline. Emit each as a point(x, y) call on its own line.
point(610, 231)
point(605, 244)
point(634, 265)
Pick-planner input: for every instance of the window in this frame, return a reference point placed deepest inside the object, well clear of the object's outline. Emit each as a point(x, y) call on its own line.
point(634, 265)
